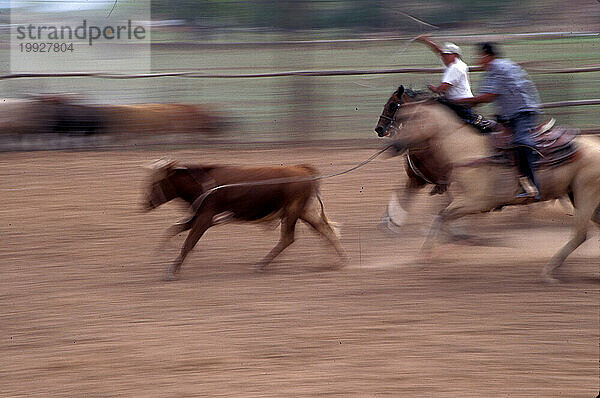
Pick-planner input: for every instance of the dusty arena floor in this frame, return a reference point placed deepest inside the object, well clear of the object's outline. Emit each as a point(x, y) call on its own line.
point(85, 312)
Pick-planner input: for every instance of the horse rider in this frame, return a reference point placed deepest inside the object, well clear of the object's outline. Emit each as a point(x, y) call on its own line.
point(517, 100)
point(455, 81)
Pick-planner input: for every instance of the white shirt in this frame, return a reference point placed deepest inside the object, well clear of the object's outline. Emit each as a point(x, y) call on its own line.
point(457, 75)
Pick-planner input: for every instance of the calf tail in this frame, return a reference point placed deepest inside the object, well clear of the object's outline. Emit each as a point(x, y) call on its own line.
point(310, 169)
point(313, 173)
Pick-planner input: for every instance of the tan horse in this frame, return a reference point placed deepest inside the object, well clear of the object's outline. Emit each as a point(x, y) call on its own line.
point(423, 166)
point(482, 186)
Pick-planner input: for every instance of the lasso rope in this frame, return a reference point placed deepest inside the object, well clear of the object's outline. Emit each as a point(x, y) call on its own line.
point(408, 43)
point(198, 202)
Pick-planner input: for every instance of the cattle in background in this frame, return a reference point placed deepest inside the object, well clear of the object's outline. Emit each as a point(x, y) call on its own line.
point(20, 116)
point(68, 114)
point(286, 201)
point(147, 119)
point(49, 114)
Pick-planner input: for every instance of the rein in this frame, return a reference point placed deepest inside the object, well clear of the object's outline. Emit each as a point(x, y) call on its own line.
point(198, 202)
point(416, 170)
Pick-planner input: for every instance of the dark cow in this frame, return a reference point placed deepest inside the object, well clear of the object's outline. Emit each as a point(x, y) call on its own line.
point(64, 114)
point(274, 200)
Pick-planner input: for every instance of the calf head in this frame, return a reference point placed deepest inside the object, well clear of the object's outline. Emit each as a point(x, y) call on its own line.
point(160, 187)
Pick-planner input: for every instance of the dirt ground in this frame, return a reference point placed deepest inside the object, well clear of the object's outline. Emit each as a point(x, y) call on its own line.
point(85, 312)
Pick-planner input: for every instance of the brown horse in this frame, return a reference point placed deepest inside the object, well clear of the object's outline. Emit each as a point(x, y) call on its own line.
point(480, 185)
point(423, 165)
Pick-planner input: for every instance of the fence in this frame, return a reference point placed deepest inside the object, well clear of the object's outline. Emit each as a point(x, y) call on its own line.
point(335, 72)
point(274, 102)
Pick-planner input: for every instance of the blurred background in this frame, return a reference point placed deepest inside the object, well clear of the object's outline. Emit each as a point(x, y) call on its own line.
point(85, 312)
point(232, 38)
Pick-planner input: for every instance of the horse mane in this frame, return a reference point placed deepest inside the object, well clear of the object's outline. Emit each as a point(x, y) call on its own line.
point(470, 131)
point(426, 96)
point(417, 94)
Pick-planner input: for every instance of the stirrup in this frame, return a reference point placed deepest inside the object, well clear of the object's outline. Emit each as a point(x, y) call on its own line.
point(530, 191)
point(485, 126)
point(528, 195)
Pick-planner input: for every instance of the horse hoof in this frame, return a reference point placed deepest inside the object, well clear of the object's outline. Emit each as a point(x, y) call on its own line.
point(170, 277)
point(550, 280)
point(260, 268)
point(344, 261)
point(389, 227)
point(425, 257)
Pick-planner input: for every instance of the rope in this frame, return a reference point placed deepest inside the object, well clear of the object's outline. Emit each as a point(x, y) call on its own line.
point(306, 73)
point(416, 170)
point(198, 202)
point(416, 19)
point(403, 49)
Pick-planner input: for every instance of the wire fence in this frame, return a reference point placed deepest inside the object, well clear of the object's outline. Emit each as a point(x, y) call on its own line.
point(274, 102)
point(351, 72)
point(333, 72)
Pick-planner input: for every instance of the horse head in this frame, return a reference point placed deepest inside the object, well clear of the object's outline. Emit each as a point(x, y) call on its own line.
point(401, 96)
point(415, 121)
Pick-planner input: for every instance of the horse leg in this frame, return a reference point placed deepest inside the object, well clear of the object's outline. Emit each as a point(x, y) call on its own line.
point(316, 218)
point(400, 203)
point(431, 238)
point(453, 211)
point(596, 215)
point(584, 212)
point(288, 226)
point(201, 222)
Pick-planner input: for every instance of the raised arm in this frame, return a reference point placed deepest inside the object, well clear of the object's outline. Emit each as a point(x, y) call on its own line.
point(433, 46)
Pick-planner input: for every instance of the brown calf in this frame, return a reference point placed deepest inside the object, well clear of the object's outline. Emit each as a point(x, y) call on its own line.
point(286, 201)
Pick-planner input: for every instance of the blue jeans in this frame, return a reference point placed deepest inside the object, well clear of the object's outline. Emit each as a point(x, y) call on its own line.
point(523, 125)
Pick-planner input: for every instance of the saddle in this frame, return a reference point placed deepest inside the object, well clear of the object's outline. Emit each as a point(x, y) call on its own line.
point(554, 144)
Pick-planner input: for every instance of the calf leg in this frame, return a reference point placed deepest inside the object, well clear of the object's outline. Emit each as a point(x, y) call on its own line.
point(200, 224)
point(181, 226)
point(288, 226)
point(316, 218)
point(176, 229)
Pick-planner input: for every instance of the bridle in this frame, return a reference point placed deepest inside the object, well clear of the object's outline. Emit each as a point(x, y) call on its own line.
point(391, 121)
